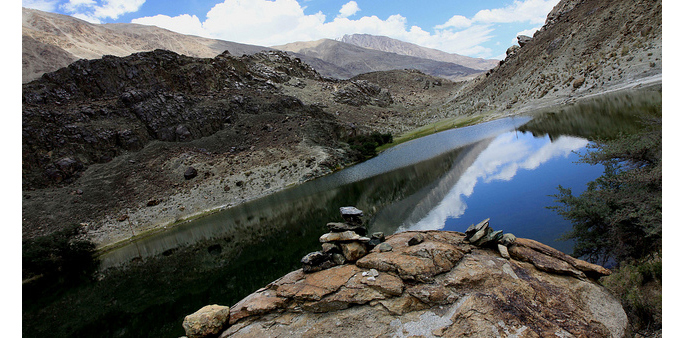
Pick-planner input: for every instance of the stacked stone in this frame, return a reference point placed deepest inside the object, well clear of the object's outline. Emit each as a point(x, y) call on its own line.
point(482, 235)
point(345, 242)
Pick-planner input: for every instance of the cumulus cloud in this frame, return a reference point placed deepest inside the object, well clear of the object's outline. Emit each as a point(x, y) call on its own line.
point(41, 5)
point(276, 22)
point(185, 24)
point(95, 11)
point(349, 9)
point(531, 11)
point(457, 21)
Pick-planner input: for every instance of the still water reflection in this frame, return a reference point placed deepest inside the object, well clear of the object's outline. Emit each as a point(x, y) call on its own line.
point(371, 186)
point(504, 170)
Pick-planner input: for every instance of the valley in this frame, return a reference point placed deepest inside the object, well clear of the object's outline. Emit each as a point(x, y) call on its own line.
point(201, 170)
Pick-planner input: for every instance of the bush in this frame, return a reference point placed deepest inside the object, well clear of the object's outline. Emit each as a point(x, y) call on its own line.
point(619, 215)
point(618, 218)
point(366, 145)
point(58, 256)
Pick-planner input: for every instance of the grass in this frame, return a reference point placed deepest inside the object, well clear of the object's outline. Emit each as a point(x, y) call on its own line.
point(432, 128)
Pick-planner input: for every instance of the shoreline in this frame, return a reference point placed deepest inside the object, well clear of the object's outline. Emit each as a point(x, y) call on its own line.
point(531, 108)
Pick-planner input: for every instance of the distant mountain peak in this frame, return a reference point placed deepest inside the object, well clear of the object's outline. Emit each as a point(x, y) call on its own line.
point(390, 45)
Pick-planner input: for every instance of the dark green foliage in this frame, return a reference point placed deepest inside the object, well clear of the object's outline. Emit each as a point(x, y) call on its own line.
point(58, 256)
point(619, 215)
point(366, 145)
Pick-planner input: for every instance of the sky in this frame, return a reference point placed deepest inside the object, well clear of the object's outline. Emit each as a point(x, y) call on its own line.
point(483, 29)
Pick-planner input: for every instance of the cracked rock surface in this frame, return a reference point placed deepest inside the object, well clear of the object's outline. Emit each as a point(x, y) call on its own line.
point(441, 287)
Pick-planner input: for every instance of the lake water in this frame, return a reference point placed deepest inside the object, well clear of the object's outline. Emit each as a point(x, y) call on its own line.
point(505, 170)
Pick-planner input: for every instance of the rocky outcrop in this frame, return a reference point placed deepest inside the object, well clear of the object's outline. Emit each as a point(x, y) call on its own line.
point(437, 284)
point(94, 110)
point(361, 92)
point(523, 40)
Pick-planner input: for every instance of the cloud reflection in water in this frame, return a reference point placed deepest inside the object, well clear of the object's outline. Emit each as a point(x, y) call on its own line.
point(500, 161)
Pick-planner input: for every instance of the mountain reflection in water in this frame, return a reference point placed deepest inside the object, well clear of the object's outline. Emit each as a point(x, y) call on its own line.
point(504, 170)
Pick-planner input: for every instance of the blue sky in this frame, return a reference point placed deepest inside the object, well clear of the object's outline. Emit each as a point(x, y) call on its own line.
point(484, 28)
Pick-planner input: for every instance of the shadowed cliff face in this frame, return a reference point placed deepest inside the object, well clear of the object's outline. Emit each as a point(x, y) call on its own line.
point(441, 286)
point(94, 110)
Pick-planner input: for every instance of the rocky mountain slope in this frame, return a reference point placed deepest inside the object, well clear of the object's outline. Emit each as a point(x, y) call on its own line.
point(355, 60)
point(51, 41)
point(386, 44)
point(109, 143)
point(429, 284)
point(584, 48)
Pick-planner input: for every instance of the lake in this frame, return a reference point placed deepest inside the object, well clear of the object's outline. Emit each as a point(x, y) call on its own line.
point(505, 170)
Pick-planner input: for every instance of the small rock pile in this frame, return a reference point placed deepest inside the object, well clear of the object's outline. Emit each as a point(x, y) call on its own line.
point(345, 242)
point(482, 234)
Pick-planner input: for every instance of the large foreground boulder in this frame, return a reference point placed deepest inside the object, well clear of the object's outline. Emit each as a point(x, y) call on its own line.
point(442, 286)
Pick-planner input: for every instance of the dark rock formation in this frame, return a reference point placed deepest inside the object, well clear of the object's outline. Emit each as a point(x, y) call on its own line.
point(362, 92)
point(95, 110)
point(190, 173)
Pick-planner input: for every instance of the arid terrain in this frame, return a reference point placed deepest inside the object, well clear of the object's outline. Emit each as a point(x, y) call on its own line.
point(106, 142)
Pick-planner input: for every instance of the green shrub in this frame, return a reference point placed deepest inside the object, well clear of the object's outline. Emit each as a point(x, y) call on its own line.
point(619, 215)
point(618, 218)
point(58, 256)
point(365, 145)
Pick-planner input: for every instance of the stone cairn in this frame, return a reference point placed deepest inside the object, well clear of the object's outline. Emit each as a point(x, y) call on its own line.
point(345, 242)
point(482, 235)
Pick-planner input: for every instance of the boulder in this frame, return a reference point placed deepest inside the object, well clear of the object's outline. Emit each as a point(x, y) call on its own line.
point(577, 83)
point(190, 173)
point(352, 215)
point(341, 227)
point(317, 261)
point(342, 236)
point(207, 321)
point(523, 40)
point(443, 286)
point(353, 251)
point(513, 49)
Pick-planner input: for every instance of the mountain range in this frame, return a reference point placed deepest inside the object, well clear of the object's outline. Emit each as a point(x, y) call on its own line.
point(51, 41)
point(386, 44)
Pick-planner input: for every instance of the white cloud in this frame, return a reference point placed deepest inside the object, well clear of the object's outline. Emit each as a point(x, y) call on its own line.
point(41, 5)
point(95, 11)
point(276, 22)
point(532, 11)
point(349, 9)
point(457, 21)
point(185, 24)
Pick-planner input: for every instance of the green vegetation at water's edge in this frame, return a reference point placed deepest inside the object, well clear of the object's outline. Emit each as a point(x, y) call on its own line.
point(619, 218)
point(619, 215)
point(58, 259)
point(442, 125)
point(365, 145)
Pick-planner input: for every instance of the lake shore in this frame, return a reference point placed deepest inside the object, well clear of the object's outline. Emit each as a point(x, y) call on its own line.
point(303, 164)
